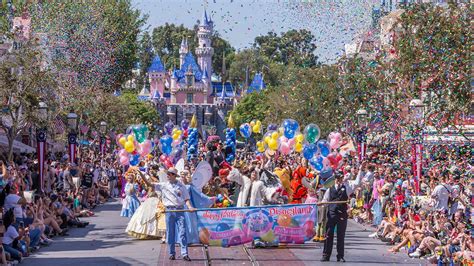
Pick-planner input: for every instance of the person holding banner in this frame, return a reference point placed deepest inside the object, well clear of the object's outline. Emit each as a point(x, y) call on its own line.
point(175, 196)
point(337, 213)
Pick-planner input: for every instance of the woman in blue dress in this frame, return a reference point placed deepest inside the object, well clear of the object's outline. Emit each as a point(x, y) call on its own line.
point(130, 203)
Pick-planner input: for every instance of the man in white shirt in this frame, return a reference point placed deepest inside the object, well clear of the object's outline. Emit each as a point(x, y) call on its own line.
point(441, 194)
point(175, 196)
point(14, 201)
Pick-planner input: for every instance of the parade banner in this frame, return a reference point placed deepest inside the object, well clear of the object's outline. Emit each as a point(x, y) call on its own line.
point(271, 223)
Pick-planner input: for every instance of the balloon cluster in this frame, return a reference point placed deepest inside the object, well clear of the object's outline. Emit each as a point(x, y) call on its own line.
point(135, 145)
point(230, 138)
point(246, 129)
point(192, 139)
point(171, 143)
point(221, 201)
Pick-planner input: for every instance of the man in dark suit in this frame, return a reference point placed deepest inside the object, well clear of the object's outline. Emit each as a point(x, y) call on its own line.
point(337, 214)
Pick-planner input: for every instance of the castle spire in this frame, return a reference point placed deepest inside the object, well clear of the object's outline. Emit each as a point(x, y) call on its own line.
point(204, 21)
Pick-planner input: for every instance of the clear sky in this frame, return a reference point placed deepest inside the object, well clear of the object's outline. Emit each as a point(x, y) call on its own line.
point(333, 22)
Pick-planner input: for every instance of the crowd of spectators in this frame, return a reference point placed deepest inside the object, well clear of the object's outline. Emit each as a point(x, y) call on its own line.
point(32, 214)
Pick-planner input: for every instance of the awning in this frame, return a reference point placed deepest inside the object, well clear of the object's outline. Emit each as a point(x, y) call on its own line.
point(18, 146)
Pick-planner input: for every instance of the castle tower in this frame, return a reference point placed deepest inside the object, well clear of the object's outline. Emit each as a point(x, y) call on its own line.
point(183, 50)
point(157, 76)
point(204, 51)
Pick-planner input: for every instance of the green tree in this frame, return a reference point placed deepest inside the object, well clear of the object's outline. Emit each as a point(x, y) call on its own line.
point(433, 57)
point(291, 47)
point(252, 106)
point(139, 111)
point(24, 82)
point(145, 56)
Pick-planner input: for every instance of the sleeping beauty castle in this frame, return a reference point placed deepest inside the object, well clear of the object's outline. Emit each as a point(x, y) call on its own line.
point(192, 89)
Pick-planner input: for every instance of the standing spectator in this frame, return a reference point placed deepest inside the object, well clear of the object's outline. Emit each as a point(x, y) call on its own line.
point(112, 175)
point(441, 194)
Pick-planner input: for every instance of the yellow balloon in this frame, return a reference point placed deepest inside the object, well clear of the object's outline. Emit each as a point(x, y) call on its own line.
point(274, 135)
point(129, 146)
point(273, 144)
point(179, 132)
point(261, 149)
point(267, 139)
point(130, 138)
point(298, 147)
point(299, 137)
point(122, 141)
point(175, 136)
point(259, 123)
point(252, 123)
point(256, 129)
point(174, 130)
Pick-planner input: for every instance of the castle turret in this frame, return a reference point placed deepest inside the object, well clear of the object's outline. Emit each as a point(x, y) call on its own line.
point(183, 50)
point(157, 76)
point(204, 51)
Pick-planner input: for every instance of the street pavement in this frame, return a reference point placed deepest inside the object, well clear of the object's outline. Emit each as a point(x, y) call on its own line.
point(104, 242)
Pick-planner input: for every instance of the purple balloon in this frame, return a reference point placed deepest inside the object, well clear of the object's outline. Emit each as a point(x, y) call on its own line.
point(185, 124)
point(272, 127)
point(169, 127)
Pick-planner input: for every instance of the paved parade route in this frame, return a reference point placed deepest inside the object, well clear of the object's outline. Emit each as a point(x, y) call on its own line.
point(104, 242)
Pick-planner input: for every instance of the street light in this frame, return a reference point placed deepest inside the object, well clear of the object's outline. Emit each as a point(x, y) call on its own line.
point(41, 140)
point(42, 112)
point(103, 127)
point(362, 118)
point(72, 121)
point(417, 112)
point(417, 108)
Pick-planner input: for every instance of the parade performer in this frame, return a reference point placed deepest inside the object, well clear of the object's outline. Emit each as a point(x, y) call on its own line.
point(130, 203)
point(337, 215)
point(175, 198)
point(299, 191)
point(148, 222)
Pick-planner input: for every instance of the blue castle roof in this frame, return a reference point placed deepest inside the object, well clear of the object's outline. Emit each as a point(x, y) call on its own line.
point(156, 65)
point(220, 90)
point(189, 62)
point(257, 84)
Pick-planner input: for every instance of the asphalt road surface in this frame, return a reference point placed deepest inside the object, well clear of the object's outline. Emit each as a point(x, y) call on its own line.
point(104, 242)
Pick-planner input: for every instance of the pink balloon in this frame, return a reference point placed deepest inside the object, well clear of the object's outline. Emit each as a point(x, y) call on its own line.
point(292, 142)
point(285, 148)
point(124, 161)
point(338, 136)
point(326, 162)
point(147, 144)
point(122, 153)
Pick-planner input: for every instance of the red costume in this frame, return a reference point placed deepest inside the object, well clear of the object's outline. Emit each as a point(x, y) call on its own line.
point(299, 191)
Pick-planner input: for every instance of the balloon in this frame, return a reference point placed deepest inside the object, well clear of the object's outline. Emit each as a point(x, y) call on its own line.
point(140, 132)
point(260, 146)
point(129, 146)
point(130, 138)
point(300, 137)
point(290, 128)
point(176, 155)
point(317, 163)
point(134, 160)
point(267, 139)
point(124, 160)
point(312, 133)
point(285, 148)
point(274, 135)
point(298, 147)
point(252, 123)
point(273, 144)
point(245, 130)
point(185, 124)
point(169, 127)
point(272, 127)
point(122, 153)
point(323, 147)
point(121, 140)
point(256, 129)
point(308, 151)
point(165, 142)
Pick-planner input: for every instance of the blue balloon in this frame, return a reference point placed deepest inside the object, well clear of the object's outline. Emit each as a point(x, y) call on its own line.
point(135, 160)
point(245, 130)
point(308, 152)
point(317, 163)
point(323, 147)
point(272, 127)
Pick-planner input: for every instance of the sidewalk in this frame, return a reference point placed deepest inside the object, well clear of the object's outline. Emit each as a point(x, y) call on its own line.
point(102, 242)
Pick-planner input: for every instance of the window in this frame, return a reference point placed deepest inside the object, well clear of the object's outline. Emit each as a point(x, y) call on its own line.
point(189, 98)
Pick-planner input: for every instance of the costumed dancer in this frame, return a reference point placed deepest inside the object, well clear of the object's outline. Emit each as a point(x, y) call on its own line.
point(299, 191)
point(148, 222)
point(130, 203)
point(337, 214)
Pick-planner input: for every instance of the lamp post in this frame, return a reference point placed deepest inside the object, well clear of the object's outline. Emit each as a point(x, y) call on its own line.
point(362, 118)
point(72, 136)
point(41, 140)
point(417, 116)
point(103, 130)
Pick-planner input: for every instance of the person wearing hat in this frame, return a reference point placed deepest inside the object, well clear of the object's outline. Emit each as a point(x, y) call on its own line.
point(175, 196)
point(337, 213)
